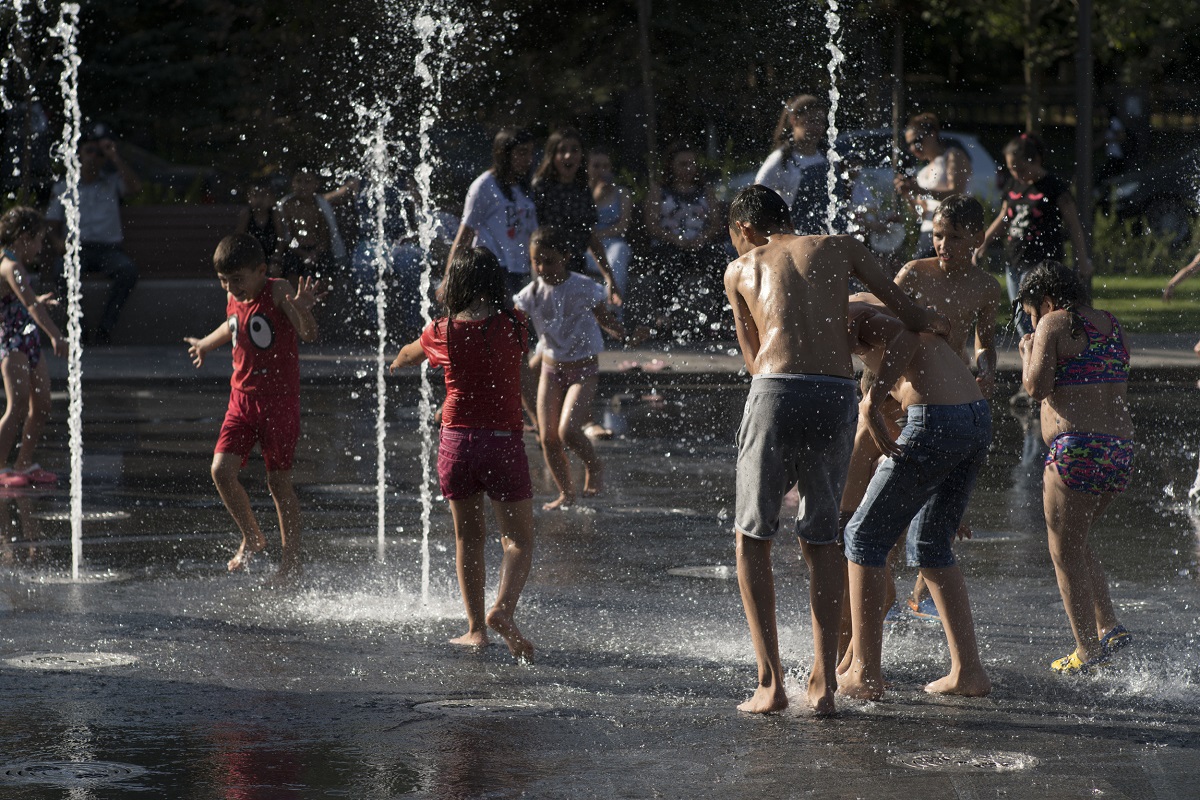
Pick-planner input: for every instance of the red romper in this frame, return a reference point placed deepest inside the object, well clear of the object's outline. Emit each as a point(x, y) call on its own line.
point(264, 392)
point(481, 447)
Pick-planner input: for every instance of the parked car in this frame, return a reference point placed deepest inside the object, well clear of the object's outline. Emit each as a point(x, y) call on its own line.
point(1164, 194)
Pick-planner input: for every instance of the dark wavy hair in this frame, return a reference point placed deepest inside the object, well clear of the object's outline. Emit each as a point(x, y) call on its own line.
point(962, 211)
point(782, 138)
point(18, 221)
point(1051, 280)
point(546, 172)
point(507, 140)
point(1026, 147)
point(474, 273)
point(762, 208)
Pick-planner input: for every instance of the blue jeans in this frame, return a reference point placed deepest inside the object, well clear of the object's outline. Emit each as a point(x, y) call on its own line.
point(929, 484)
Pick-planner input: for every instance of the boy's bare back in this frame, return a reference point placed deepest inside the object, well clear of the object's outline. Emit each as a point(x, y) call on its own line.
point(968, 296)
point(789, 304)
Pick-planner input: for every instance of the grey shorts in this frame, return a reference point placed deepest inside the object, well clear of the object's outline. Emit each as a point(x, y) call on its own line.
point(796, 430)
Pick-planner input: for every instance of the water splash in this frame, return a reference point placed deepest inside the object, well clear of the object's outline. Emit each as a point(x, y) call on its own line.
point(67, 30)
point(833, 24)
point(436, 30)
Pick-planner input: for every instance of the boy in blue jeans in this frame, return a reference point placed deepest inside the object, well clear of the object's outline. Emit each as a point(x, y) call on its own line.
point(927, 480)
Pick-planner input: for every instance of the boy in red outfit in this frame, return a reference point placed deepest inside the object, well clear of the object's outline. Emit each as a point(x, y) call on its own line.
point(264, 318)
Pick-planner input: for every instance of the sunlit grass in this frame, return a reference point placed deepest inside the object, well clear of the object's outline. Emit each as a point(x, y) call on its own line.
point(1137, 302)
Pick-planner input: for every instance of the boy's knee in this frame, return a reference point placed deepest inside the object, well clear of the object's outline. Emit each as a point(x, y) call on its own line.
point(279, 481)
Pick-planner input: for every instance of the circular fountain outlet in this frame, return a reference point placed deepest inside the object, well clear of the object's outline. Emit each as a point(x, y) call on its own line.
point(69, 773)
point(484, 707)
point(69, 662)
point(719, 572)
point(88, 516)
point(963, 760)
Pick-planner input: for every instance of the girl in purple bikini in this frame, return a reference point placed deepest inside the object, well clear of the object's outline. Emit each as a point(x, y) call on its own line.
point(1076, 362)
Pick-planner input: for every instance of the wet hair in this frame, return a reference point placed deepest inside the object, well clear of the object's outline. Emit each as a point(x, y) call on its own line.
point(782, 138)
point(507, 140)
point(546, 171)
point(668, 164)
point(1051, 280)
point(924, 124)
point(552, 237)
point(761, 208)
point(474, 273)
point(1026, 147)
point(18, 221)
point(962, 211)
point(236, 252)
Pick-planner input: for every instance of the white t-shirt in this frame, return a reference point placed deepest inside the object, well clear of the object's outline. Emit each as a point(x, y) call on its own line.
point(783, 174)
point(501, 225)
point(562, 316)
point(934, 177)
point(99, 209)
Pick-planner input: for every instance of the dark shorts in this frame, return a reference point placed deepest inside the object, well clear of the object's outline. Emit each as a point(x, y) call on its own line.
point(1094, 463)
point(928, 484)
point(474, 460)
point(273, 421)
point(797, 430)
point(19, 333)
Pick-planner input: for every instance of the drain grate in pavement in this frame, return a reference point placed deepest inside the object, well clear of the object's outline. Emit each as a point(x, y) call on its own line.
point(963, 760)
point(484, 707)
point(69, 773)
point(69, 662)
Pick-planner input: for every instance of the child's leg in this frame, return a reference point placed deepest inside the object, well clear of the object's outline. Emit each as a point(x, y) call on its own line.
point(549, 409)
point(949, 592)
point(516, 530)
point(35, 420)
point(868, 590)
point(756, 580)
point(576, 413)
point(15, 369)
point(225, 468)
point(1081, 581)
point(287, 506)
point(826, 586)
point(531, 370)
point(469, 533)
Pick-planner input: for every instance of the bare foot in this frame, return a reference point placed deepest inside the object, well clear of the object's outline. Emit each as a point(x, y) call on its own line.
point(518, 645)
point(469, 639)
point(286, 576)
point(593, 480)
point(820, 699)
point(854, 683)
point(563, 501)
point(241, 559)
point(765, 700)
point(594, 432)
point(974, 685)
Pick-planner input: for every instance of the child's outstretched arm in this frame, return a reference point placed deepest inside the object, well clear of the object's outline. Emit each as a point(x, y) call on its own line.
point(410, 355)
point(1180, 277)
point(298, 305)
point(999, 225)
point(985, 340)
point(608, 321)
point(198, 348)
point(16, 279)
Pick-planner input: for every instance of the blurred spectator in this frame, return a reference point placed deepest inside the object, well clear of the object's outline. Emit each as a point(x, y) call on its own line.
point(681, 282)
point(104, 179)
point(312, 243)
point(947, 171)
point(261, 220)
point(564, 202)
point(613, 210)
point(498, 214)
point(797, 169)
point(1113, 145)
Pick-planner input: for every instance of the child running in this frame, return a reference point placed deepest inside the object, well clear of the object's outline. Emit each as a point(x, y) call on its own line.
point(26, 379)
point(927, 480)
point(265, 316)
point(567, 310)
point(481, 343)
point(1077, 363)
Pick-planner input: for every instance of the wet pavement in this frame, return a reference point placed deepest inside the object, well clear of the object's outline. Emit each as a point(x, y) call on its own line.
point(162, 676)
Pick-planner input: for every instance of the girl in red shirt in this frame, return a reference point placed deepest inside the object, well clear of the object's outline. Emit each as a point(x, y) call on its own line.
point(481, 344)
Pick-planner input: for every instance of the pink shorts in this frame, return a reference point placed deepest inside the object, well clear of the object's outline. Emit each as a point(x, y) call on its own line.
point(562, 376)
point(271, 420)
point(473, 460)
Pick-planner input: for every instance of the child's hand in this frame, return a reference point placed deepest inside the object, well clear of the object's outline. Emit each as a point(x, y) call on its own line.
point(1025, 346)
point(47, 299)
point(937, 323)
point(307, 293)
point(1168, 293)
point(59, 346)
point(964, 530)
point(614, 296)
point(1196, 349)
point(195, 351)
point(395, 365)
point(986, 381)
point(877, 427)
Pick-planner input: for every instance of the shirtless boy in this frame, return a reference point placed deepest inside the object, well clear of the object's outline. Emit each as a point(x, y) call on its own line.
point(927, 480)
point(788, 295)
point(951, 283)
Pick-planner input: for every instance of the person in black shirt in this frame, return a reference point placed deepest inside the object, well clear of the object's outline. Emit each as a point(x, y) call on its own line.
point(1037, 211)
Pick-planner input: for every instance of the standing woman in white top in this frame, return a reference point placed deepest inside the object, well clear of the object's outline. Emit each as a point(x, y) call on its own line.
point(797, 169)
point(947, 171)
point(498, 214)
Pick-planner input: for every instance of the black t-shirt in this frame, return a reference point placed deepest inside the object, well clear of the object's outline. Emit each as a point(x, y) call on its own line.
point(570, 208)
point(1035, 225)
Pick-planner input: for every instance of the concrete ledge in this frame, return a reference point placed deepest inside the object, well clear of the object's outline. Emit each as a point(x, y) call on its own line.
point(160, 311)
